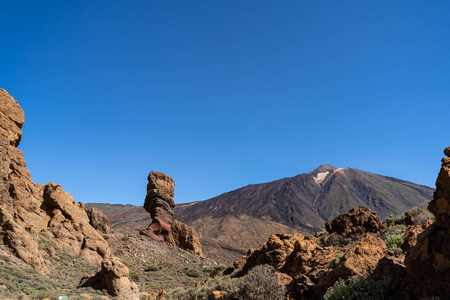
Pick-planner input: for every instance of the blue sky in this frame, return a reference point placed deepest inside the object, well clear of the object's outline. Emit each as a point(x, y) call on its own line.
point(222, 94)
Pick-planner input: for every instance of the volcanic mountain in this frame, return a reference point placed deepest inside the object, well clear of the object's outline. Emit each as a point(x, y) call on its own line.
point(306, 201)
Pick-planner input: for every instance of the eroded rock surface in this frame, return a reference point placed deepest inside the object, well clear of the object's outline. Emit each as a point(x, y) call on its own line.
point(160, 204)
point(98, 220)
point(28, 210)
point(357, 221)
point(113, 276)
point(428, 262)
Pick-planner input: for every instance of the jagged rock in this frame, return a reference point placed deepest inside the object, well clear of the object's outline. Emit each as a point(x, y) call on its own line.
point(160, 204)
point(27, 208)
point(440, 206)
point(69, 225)
point(18, 239)
point(160, 192)
point(428, 262)
point(392, 275)
point(185, 237)
point(411, 237)
point(356, 222)
point(427, 224)
point(113, 276)
point(360, 260)
point(98, 220)
point(297, 256)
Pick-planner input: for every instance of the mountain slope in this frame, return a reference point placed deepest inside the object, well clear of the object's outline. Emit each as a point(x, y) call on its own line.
point(304, 202)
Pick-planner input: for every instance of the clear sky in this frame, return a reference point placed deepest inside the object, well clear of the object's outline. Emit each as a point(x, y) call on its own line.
point(222, 94)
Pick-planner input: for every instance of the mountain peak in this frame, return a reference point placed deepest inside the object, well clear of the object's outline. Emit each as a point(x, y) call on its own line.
point(323, 168)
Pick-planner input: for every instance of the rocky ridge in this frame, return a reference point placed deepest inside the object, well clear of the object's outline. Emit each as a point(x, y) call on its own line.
point(28, 210)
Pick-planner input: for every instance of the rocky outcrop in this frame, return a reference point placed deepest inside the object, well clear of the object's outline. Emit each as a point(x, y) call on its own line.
point(356, 222)
point(113, 276)
point(185, 237)
point(98, 220)
point(160, 204)
point(29, 211)
point(428, 262)
point(309, 269)
point(411, 237)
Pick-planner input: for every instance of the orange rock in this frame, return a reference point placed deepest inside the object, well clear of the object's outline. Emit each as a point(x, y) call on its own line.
point(356, 222)
point(411, 237)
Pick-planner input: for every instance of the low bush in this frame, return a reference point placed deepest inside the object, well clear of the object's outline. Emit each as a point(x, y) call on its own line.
point(260, 283)
point(193, 273)
point(394, 241)
point(335, 239)
point(355, 289)
point(152, 268)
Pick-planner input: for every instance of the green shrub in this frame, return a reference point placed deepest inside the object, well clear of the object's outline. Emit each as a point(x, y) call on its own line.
point(335, 261)
point(395, 220)
point(259, 284)
point(152, 268)
point(126, 262)
point(134, 276)
point(394, 241)
point(193, 273)
point(355, 289)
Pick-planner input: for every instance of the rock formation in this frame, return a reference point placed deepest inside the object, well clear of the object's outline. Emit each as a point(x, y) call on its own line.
point(29, 211)
point(309, 269)
point(410, 238)
point(428, 262)
point(160, 204)
point(99, 220)
point(113, 276)
point(357, 221)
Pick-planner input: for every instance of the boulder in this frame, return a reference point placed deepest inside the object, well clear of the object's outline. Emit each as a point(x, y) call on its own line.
point(113, 276)
point(356, 222)
point(99, 220)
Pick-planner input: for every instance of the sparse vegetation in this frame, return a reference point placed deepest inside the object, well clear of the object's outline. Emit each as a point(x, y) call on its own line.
point(152, 268)
point(334, 239)
point(356, 289)
point(193, 273)
point(259, 284)
point(335, 261)
point(395, 220)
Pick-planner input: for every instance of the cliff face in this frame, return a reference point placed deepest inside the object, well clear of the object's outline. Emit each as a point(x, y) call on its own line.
point(29, 210)
point(428, 262)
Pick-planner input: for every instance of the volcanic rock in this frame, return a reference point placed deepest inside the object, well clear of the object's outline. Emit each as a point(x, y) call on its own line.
point(297, 256)
point(411, 237)
point(113, 276)
point(98, 220)
point(356, 222)
point(27, 208)
point(160, 204)
point(185, 237)
point(428, 262)
point(393, 276)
